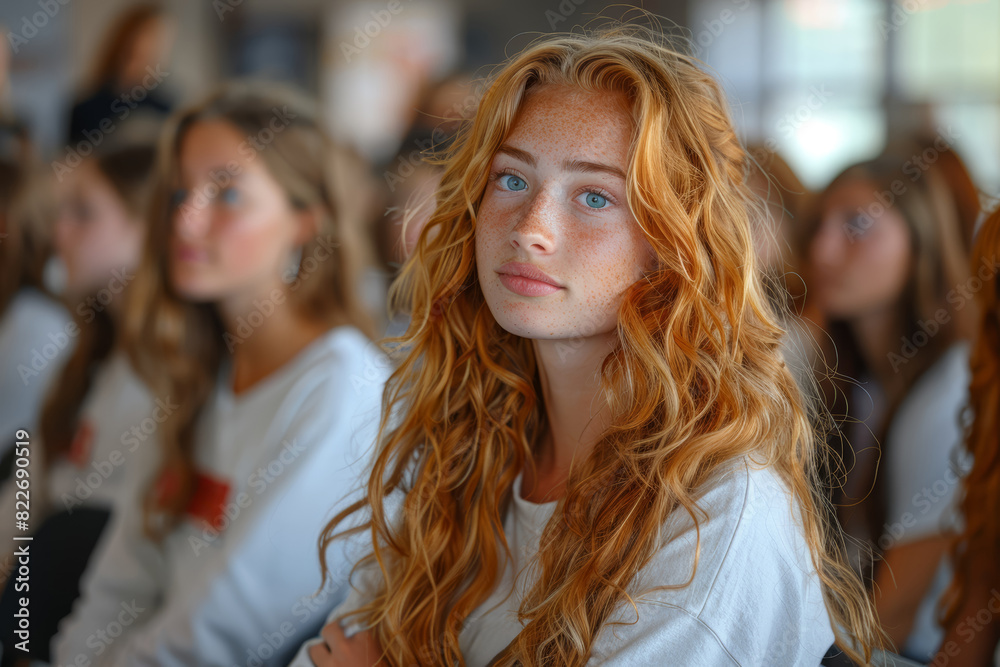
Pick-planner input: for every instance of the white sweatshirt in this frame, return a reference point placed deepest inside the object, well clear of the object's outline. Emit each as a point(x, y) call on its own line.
point(291, 449)
point(37, 337)
point(921, 483)
point(117, 418)
point(755, 598)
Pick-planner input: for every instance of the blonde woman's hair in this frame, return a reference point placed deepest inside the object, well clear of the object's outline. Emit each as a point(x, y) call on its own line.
point(177, 345)
point(696, 379)
point(28, 212)
point(129, 173)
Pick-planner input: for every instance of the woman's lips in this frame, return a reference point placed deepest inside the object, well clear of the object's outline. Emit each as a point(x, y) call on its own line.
point(527, 280)
point(189, 254)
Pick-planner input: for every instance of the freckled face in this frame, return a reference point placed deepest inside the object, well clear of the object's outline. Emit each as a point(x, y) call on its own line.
point(555, 203)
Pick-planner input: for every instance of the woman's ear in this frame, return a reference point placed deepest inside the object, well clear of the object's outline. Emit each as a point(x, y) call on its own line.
point(307, 222)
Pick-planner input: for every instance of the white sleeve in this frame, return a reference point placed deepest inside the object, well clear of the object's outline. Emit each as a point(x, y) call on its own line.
point(922, 484)
point(365, 579)
point(258, 583)
point(667, 634)
point(755, 598)
point(34, 348)
point(120, 589)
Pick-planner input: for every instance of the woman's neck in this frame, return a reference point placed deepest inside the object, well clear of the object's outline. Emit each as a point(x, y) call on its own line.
point(576, 410)
point(263, 342)
point(878, 336)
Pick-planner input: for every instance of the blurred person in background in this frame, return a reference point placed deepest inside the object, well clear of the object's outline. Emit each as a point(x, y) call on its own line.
point(887, 258)
point(972, 604)
point(124, 88)
point(244, 314)
point(412, 178)
point(361, 202)
point(776, 234)
point(34, 342)
point(79, 454)
point(941, 158)
point(15, 140)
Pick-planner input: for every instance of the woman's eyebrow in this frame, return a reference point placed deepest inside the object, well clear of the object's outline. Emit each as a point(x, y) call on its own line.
point(518, 154)
point(584, 166)
point(187, 176)
point(591, 167)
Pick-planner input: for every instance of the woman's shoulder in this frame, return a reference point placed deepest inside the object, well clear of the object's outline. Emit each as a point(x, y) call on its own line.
point(942, 387)
point(335, 391)
point(744, 512)
point(341, 370)
point(742, 576)
point(749, 545)
point(33, 306)
point(358, 361)
point(928, 419)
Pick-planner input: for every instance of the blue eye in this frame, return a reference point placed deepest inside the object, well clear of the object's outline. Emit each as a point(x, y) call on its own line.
point(177, 198)
point(229, 195)
point(858, 224)
point(595, 200)
point(512, 182)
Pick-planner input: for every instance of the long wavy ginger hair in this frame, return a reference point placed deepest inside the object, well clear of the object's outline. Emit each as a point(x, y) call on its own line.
point(977, 547)
point(696, 379)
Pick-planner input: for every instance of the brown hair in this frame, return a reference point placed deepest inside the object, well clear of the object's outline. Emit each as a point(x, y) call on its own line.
point(128, 171)
point(26, 204)
point(119, 40)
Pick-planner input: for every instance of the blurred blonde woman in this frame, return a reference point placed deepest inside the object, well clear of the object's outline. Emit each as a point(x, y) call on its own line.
point(599, 456)
point(244, 320)
point(34, 343)
point(77, 458)
point(888, 267)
